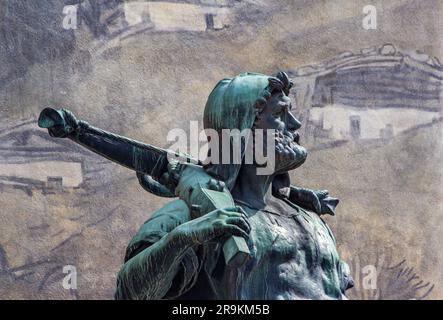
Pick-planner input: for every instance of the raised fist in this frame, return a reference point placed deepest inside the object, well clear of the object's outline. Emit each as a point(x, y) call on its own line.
point(59, 122)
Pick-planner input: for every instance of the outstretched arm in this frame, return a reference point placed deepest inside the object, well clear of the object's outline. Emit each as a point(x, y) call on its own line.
point(130, 153)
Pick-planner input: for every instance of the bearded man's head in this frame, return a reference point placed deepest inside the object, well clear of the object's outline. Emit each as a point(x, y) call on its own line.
point(258, 102)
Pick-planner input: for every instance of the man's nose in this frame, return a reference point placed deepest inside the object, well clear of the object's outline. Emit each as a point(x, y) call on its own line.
point(292, 123)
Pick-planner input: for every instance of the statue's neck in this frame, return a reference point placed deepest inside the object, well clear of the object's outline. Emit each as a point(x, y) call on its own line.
point(251, 188)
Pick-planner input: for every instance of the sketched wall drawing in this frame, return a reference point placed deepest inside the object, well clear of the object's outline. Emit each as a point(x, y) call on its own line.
point(370, 102)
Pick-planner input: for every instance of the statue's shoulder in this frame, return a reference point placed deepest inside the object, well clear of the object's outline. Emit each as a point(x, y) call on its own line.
point(161, 222)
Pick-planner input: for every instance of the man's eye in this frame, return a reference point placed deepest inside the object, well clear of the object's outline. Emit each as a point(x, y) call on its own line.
point(279, 112)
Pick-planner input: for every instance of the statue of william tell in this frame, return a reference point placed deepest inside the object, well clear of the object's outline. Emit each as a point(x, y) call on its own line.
point(232, 233)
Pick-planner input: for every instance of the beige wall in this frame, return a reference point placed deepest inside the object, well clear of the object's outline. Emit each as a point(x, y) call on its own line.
point(151, 82)
point(71, 172)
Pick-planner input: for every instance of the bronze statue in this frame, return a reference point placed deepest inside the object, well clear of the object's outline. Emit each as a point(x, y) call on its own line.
point(232, 234)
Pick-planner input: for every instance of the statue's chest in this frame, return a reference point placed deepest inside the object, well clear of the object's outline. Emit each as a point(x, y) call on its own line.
point(293, 256)
point(297, 237)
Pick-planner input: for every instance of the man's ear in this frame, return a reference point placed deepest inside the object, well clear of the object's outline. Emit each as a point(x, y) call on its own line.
point(280, 185)
point(260, 105)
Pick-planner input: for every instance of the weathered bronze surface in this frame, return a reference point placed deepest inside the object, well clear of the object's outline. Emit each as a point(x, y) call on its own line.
point(232, 234)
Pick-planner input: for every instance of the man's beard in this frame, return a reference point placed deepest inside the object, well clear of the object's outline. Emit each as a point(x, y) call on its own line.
point(288, 153)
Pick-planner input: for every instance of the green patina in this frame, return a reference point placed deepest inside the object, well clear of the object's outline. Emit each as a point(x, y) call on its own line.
point(232, 234)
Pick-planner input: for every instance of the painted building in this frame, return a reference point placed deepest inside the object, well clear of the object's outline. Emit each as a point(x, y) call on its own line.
point(374, 94)
point(30, 159)
point(176, 16)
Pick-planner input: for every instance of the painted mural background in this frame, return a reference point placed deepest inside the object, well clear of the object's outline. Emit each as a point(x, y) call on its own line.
point(370, 102)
